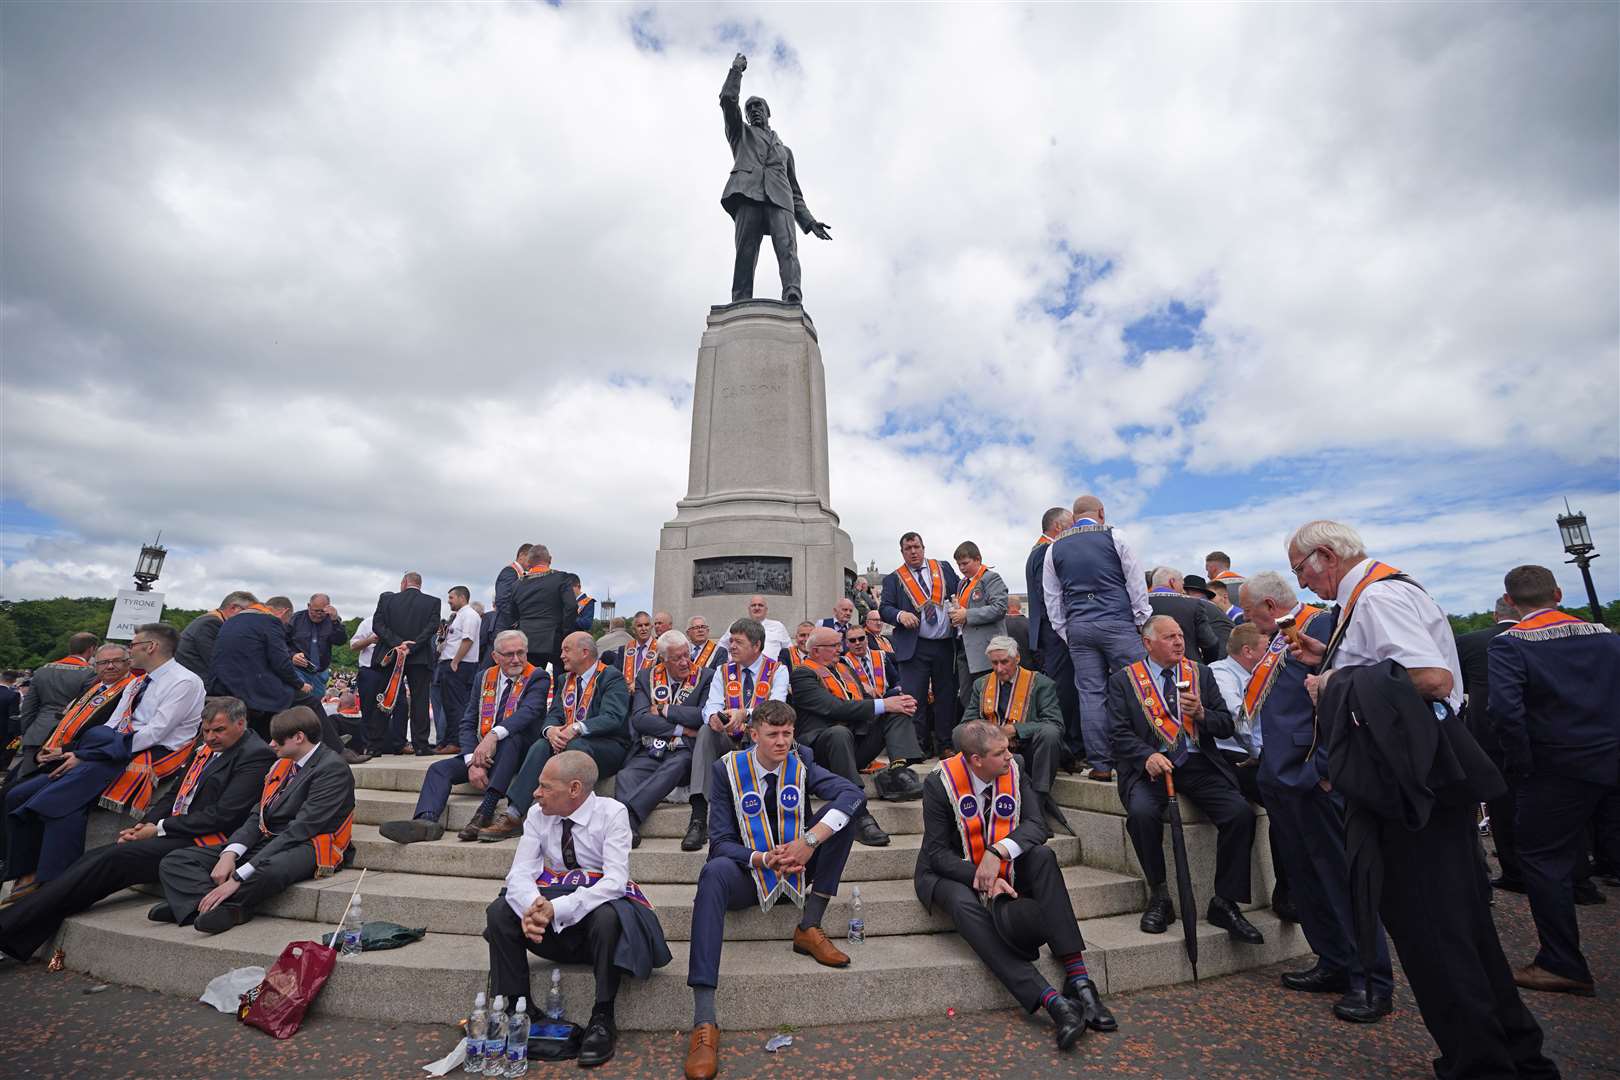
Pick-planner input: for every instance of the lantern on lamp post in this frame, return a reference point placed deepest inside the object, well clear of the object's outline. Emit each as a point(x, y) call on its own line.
point(1577, 538)
point(149, 565)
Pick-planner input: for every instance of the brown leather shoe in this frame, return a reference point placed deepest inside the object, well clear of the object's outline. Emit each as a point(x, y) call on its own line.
point(447, 748)
point(703, 1053)
point(1534, 977)
point(506, 826)
point(815, 944)
point(469, 831)
point(1105, 775)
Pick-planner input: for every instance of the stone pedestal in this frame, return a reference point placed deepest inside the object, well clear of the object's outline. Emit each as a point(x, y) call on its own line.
point(757, 516)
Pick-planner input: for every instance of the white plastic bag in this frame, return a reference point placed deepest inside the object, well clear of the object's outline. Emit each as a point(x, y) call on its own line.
point(225, 991)
point(450, 1062)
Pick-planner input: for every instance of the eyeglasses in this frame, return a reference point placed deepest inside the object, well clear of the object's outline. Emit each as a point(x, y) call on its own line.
point(861, 640)
point(112, 663)
point(1308, 555)
point(137, 644)
point(509, 655)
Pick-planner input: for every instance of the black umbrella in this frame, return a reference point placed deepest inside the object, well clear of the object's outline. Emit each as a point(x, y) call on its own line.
point(1184, 889)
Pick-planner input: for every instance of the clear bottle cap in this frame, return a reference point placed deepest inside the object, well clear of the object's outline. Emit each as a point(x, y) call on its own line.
point(478, 1002)
point(522, 1005)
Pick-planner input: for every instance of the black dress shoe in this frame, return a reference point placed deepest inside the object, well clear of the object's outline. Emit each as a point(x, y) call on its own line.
point(1359, 1007)
point(596, 1046)
point(1317, 980)
point(697, 834)
point(1283, 907)
point(868, 832)
point(162, 913)
point(1160, 913)
point(222, 918)
point(1225, 914)
point(1588, 893)
point(1070, 1020)
point(1084, 993)
point(635, 836)
point(1054, 814)
point(1508, 884)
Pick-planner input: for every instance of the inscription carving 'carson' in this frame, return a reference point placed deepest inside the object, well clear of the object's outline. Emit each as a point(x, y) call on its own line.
point(755, 389)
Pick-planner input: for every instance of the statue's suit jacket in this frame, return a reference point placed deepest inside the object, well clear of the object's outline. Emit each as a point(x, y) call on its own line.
point(762, 167)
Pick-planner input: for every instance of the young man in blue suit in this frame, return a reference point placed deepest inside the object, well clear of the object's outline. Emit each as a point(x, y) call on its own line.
point(761, 849)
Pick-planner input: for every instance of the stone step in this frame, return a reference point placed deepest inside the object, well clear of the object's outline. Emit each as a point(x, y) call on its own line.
point(1107, 846)
point(456, 905)
point(373, 806)
point(1103, 798)
point(434, 980)
point(658, 861)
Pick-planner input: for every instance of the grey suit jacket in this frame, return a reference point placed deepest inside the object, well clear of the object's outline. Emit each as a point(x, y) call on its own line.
point(986, 618)
point(54, 688)
point(321, 796)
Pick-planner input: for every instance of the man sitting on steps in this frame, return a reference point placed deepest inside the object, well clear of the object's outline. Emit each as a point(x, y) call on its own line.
point(501, 720)
point(666, 713)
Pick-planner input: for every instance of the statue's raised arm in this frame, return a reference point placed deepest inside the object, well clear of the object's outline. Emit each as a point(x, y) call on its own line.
point(762, 195)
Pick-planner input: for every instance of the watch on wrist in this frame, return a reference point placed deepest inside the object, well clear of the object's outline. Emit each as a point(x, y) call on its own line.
point(810, 839)
point(236, 876)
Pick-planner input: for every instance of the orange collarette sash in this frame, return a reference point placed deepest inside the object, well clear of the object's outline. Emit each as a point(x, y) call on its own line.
point(131, 790)
point(576, 708)
point(1023, 683)
point(881, 644)
point(1550, 623)
point(705, 654)
point(329, 847)
point(396, 681)
point(913, 587)
point(487, 699)
point(876, 684)
point(1154, 708)
point(981, 827)
point(762, 685)
point(1376, 572)
point(73, 661)
point(627, 660)
point(965, 590)
point(1265, 673)
point(79, 713)
point(1042, 540)
point(838, 681)
point(796, 659)
point(188, 789)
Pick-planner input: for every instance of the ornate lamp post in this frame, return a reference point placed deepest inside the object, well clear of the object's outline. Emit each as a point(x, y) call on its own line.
point(1578, 542)
point(150, 564)
point(607, 606)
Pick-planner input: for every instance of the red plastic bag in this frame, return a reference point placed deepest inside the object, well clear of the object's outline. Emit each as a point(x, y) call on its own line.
point(278, 1004)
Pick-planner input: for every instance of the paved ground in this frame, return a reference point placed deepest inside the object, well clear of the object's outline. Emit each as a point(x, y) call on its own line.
point(1242, 1025)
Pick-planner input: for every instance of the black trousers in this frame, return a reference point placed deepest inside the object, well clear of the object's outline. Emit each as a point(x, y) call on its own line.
point(1210, 790)
point(838, 748)
point(593, 940)
point(1504, 828)
point(932, 666)
point(419, 679)
point(1249, 783)
point(752, 220)
point(1553, 815)
point(369, 684)
point(95, 875)
point(548, 661)
point(1036, 874)
point(1437, 912)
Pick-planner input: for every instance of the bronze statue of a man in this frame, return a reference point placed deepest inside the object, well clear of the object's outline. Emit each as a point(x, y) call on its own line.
point(763, 193)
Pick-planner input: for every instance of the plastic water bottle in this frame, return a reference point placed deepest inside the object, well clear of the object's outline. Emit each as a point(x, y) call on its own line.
point(477, 1028)
point(517, 1040)
point(554, 1000)
point(495, 1039)
point(351, 928)
point(857, 918)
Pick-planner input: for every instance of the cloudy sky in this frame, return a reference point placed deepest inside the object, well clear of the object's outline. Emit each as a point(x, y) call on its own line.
point(325, 292)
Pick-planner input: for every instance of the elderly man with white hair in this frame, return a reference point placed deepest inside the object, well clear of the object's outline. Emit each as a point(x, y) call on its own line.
point(1167, 712)
point(666, 714)
point(1025, 704)
point(1412, 797)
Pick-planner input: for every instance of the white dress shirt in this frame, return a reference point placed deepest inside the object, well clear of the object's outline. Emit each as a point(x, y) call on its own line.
point(170, 709)
point(777, 637)
point(1233, 679)
point(245, 871)
point(360, 632)
point(717, 686)
point(464, 626)
point(1396, 621)
point(1135, 583)
point(601, 833)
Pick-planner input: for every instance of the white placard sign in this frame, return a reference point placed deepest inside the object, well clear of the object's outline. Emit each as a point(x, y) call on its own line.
point(133, 609)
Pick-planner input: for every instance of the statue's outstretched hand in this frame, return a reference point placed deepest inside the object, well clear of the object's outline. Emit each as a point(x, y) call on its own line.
point(739, 63)
point(820, 229)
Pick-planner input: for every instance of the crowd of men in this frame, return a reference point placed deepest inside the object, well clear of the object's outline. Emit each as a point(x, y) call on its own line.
point(1369, 734)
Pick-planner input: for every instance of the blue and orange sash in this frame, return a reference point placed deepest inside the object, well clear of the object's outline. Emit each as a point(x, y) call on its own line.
point(981, 827)
point(663, 693)
point(575, 711)
point(762, 685)
point(1549, 624)
point(757, 833)
point(489, 699)
point(584, 879)
point(1264, 677)
point(1154, 707)
point(627, 660)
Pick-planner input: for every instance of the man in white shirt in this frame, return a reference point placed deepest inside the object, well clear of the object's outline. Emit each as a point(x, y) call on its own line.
point(777, 637)
point(368, 686)
point(458, 659)
point(160, 713)
point(751, 677)
point(569, 898)
point(1434, 901)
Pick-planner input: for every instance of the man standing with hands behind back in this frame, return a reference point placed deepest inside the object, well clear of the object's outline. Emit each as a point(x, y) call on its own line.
point(405, 624)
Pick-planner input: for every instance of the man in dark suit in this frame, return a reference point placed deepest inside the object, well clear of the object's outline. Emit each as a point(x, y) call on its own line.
point(218, 791)
point(979, 793)
point(1555, 702)
point(1306, 822)
point(196, 650)
point(510, 575)
point(590, 711)
point(1018, 630)
point(846, 728)
point(55, 686)
point(762, 194)
point(761, 848)
point(913, 600)
point(1191, 613)
point(636, 655)
point(1179, 693)
point(843, 617)
point(1473, 655)
point(405, 625)
point(1054, 660)
point(498, 725)
point(1216, 614)
point(542, 606)
point(666, 714)
point(301, 830)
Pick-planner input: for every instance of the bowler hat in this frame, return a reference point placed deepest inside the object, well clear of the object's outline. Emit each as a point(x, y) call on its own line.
point(1194, 584)
point(1017, 920)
